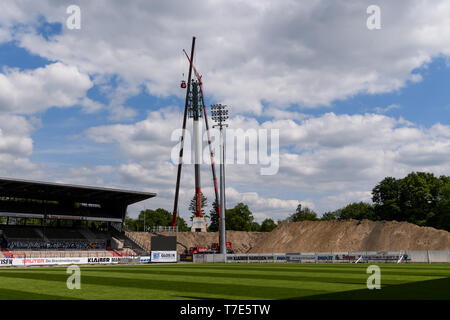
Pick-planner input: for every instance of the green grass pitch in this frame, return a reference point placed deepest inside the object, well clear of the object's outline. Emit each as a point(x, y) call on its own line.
point(229, 281)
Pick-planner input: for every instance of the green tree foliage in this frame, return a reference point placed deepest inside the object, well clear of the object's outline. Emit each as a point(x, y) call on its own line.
point(131, 224)
point(357, 211)
point(154, 218)
point(386, 196)
point(442, 217)
point(327, 216)
point(182, 225)
point(419, 198)
point(214, 214)
point(302, 214)
point(192, 205)
point(240, 218)
point(255, 226)
point(268, 225)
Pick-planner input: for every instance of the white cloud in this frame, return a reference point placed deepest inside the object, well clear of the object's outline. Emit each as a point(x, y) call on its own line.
point(342, 199)
point(16, 146)
point(31, 91)
point(260, 57)
point(387, 109)
point(283, 53)
point(263, 207)
point(337, 154)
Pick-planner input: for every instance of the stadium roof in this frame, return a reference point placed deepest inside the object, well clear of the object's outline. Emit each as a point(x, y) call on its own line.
point(47, 190)
point(113, 201)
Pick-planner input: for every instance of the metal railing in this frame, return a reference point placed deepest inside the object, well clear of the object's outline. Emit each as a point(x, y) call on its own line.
point(163, 229)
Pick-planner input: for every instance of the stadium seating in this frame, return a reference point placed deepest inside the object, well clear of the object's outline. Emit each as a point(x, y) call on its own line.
point(36, 237)
point(29, 254)
point(63, 234)
point(57, 242)
point(21, 232)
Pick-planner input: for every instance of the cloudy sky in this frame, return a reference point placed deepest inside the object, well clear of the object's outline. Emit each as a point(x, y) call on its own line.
point(98, 105)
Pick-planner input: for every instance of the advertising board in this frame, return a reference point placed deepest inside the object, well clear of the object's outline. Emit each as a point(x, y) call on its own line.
point(164, 256)
point(58, 261)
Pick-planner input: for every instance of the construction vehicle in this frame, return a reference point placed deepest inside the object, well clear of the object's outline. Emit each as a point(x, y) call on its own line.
point(215, 248)
point(198, 249)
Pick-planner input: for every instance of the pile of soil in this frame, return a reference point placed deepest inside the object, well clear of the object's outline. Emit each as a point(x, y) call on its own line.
point(241, 241)
point(351, 235)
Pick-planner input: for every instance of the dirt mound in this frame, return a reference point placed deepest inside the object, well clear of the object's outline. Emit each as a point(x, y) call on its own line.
point(241, 241)
point(351, 235)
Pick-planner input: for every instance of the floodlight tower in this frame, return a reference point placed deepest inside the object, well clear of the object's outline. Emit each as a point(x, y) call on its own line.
point(219, 114)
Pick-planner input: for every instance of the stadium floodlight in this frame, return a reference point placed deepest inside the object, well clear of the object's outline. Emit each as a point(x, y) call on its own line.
point(219, 114)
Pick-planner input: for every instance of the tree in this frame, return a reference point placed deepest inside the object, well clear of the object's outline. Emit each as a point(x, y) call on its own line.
point(182, 225)
point(131, 224)
point(154, 218)
point(193, 205)
point(419, 198)
point(214, 214)
point(240, 218)
point(327, 216)
point(442, 218)
point(386, 196)
point(254, 226)
point(268, 225)
point(302, 214)
point(356, 210)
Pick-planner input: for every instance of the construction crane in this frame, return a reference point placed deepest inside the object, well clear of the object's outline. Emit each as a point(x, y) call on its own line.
point(194, 97)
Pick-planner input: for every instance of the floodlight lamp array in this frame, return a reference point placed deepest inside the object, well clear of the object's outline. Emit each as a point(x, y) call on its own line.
point(219, 113)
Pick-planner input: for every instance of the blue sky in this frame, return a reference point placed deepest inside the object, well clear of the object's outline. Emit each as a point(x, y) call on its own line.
point(97, 105)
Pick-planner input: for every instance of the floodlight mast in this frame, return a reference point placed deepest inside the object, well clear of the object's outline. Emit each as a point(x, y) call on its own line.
point(220, 115)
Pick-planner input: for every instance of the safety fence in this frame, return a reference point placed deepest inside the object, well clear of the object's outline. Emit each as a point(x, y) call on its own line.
point(330, 257)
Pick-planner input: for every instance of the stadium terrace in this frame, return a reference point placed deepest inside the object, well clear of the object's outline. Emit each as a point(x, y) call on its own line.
point(42, 220)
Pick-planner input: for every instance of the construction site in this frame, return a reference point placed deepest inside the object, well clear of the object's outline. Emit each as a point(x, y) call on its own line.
point(236, 154)
point(316, 236)
point(89, 218)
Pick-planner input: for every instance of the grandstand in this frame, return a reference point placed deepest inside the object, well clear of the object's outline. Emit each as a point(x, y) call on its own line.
point(46, 220)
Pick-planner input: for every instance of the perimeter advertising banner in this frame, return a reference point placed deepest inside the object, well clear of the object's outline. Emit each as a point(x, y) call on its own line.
point(145, 259)
point(164, 256)
point(57, 261)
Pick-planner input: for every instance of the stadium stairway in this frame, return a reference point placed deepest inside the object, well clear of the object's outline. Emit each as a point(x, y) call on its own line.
point(114, 252)
point(88, 234)
point(128, 242)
